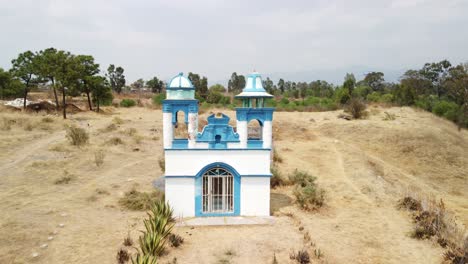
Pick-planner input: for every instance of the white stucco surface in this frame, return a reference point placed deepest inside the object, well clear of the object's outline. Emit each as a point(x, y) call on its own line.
point(266, 134)
point(255, 196)
point(168, 130)
point(242, 131)
point(190, 162)
point(180, 193)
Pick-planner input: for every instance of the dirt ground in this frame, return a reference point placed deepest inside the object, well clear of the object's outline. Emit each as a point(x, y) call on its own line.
point(365, 166)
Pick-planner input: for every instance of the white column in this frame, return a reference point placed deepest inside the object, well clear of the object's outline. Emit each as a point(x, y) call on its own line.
point(192, 129)
point(242, 131)
point(168, 130)
point(267, 134)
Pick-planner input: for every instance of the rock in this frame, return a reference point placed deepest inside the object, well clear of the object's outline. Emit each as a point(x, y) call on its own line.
point(44, 245)
point(61, 225)
point(63, 214)
point(55, 232)
point(50, 238)
point(35, 255)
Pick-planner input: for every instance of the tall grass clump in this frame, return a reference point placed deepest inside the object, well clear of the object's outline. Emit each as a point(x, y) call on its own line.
point(307, 193)
point(127, 103)
point(433, 221)
point(144, 259)
point(356, 107)
point(77, 136)
point(138, 201)
point(277, 178)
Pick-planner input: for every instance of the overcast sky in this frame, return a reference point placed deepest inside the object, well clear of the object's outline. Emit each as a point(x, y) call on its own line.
point(303, 40)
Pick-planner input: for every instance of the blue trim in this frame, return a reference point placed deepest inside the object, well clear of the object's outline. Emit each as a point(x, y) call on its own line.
point(180, 143)
point(260, 114)
point(198, 189)
point(207, 149)
point(174, 106)
point(217, 133)
point(180, 176)
point(254, 143)
point(242, 176)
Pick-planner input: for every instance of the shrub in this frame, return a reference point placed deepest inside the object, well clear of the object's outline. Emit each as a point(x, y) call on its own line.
point(446, 109)
point(342, 96)
point(135, 200)
point(159, 98)
point(128, 242)
point(410, 203)
point(386, 98)
point(301, 178)
point(122, 256)
point(302, 256)
point(373, 97)
point(6, 123)
point(309, 197)
point(127, 103)
point(276, 178)
point(77, 136)
point(356, 108)
point(175, 240)
point(276, 157)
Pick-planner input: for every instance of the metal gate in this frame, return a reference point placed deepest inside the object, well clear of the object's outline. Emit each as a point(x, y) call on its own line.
point(218, 191)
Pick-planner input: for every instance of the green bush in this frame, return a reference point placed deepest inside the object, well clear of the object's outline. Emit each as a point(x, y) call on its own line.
point(342, 96)
point(446, 109)
point(373, 97)
point(309, 197)
point(159, 98)
point(284, 101)
point(127, 103)
point(301, 178)
point(386, 98)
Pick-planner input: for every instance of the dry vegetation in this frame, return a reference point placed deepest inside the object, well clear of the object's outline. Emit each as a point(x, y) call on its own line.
point(88, 202)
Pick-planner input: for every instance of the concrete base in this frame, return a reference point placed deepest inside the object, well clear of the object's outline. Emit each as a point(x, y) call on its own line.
point(223, 221)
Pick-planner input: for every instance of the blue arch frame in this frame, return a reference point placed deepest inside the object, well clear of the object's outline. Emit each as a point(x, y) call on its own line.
point(198, 189)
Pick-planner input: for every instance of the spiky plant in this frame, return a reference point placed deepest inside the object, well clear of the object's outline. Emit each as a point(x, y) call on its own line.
point(158, 224)
point(151, 244)
point(161, 209)
point(144, 259)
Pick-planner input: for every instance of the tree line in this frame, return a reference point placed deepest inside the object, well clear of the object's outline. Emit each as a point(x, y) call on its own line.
point(439, 87)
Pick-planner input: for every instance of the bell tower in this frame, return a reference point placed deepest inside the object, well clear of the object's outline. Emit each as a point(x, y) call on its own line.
point(253, 98)
point(180, 96)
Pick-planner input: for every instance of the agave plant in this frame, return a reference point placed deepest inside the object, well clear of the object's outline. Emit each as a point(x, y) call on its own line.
point(159, 225)
point(151, 243)
point(161, 209)
point(144, 259)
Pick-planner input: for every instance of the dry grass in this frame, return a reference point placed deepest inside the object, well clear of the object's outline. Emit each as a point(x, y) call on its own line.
point(138, 201)
point(77, 136)
point(115, 141)
point(433, 220)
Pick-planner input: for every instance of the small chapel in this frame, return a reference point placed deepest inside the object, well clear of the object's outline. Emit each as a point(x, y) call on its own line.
point(219, 170)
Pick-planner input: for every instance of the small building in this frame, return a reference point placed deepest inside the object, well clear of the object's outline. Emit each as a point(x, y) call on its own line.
point(220, 170)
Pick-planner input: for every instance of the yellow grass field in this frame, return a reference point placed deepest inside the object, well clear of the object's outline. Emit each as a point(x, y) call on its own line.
point(54, 193)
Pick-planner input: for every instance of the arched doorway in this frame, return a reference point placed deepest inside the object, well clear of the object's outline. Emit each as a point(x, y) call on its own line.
point(217, 191)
